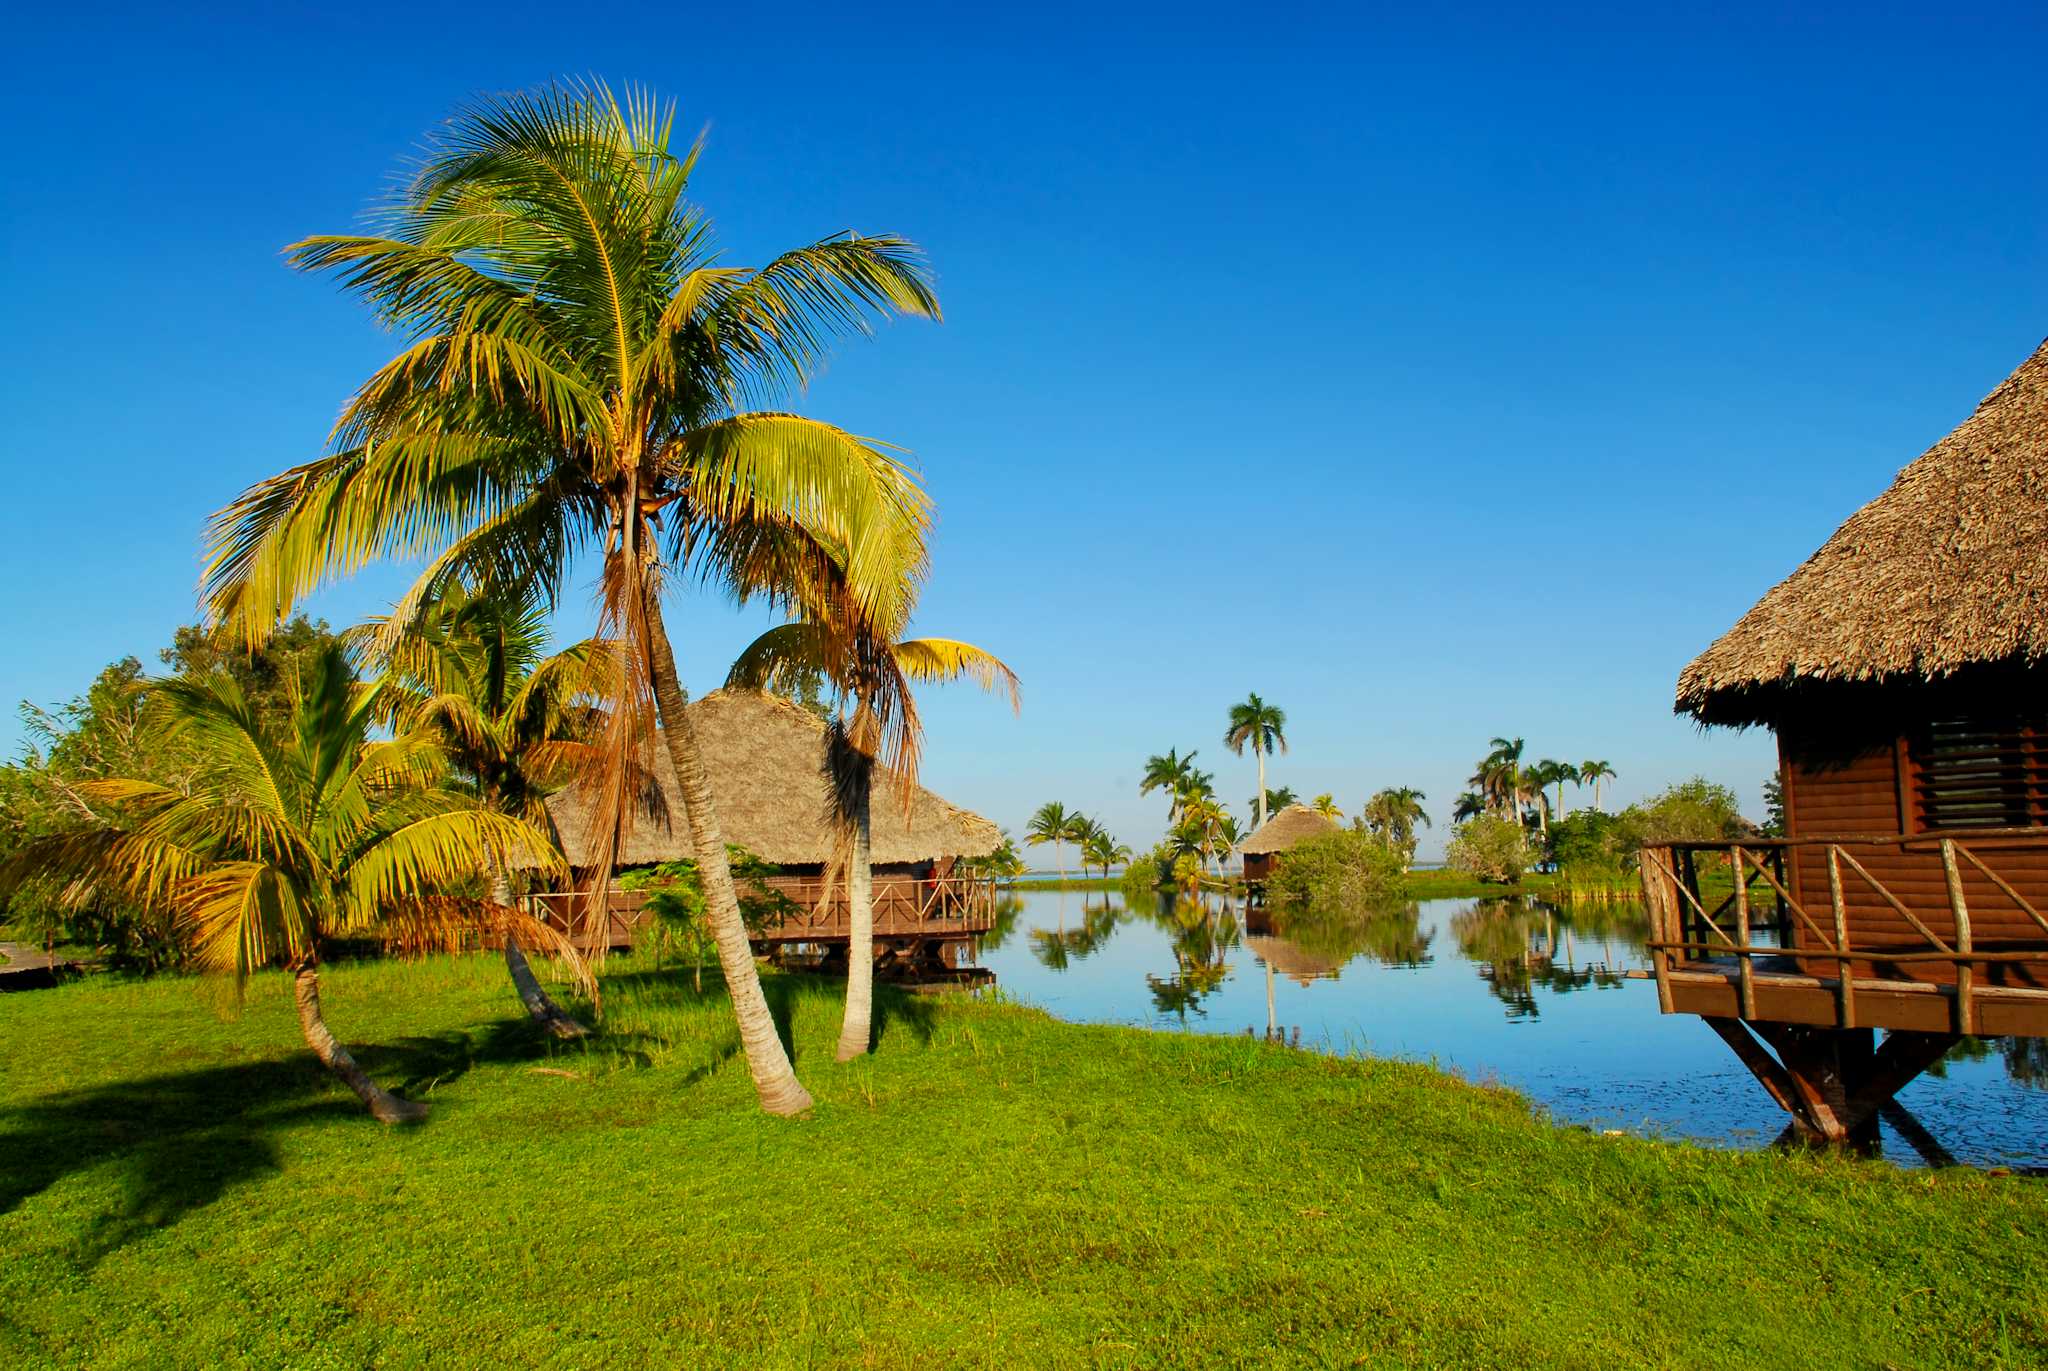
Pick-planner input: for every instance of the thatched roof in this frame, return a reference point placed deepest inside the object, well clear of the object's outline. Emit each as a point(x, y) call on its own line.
point(1287, 828)
point(1947, 569)
point(763, 755)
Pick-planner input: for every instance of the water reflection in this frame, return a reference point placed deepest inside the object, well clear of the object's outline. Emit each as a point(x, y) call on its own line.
point(1495, 989)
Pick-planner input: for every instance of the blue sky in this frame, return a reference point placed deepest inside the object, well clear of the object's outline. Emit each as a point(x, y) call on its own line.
point(1434, 374)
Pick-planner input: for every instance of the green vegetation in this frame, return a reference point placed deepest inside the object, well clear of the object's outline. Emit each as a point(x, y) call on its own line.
point(1262, 727)
point(1343, 871)
point(182, 1189)
point(1490, 848)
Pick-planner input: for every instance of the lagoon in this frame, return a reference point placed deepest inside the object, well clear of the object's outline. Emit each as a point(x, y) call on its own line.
point(1519, 992)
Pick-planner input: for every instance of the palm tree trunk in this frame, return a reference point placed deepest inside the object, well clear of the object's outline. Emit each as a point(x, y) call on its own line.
point(1260, 753)
point(540, 1006)
point(384, 1106)
point(857, 1029)
point(774, 1080)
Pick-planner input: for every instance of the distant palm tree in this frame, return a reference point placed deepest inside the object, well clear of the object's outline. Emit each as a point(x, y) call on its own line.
point(1550, 773)
point(1263, 727)
point(1325, 804)
point(1275, 800)
point(1500, 777)
point(1470, 805)
point(1592, 773)
point(1103, 850)
point(1169, 773)
point(1054, 823)
point(1393, 813)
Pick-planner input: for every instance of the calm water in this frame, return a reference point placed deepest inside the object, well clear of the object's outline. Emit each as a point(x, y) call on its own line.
point(1497, 990)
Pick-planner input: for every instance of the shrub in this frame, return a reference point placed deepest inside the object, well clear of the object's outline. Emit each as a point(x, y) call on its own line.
point(1345, 870)
point(1490, 848)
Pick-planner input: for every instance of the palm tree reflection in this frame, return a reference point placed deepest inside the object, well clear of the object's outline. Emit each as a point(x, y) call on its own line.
point(1522, 945)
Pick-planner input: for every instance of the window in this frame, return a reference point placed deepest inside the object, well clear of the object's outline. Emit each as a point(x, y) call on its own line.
point(1981, 773)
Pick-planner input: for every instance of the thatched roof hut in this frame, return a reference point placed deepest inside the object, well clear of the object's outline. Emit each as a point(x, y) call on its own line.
point(1279, 833)
point(1947, 570)
point(1287, 828)
point(763, 754)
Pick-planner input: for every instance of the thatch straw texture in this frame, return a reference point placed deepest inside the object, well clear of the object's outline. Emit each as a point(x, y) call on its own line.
point(1947, 569)
point(764, 754)
point(1287, 828)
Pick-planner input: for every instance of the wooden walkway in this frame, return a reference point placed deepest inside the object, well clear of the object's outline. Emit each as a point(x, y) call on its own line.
point(30, 968)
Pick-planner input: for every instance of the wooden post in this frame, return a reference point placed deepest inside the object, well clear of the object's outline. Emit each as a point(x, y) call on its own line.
point(1745, 973)
point(1659, 901)
point(1966, 1015)
point(1845, 975)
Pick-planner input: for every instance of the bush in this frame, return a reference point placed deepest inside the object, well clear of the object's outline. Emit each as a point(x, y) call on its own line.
point(1345, 870)
point(1490, 848)
point(1140, 878)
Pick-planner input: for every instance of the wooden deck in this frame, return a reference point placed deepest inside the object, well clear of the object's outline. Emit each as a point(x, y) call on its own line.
point(1795, 985)
point(935, 919)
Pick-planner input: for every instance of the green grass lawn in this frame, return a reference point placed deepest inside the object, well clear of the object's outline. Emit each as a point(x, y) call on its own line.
point(180, 1186)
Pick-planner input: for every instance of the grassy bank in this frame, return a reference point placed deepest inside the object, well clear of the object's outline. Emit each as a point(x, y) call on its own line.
point(992, 1188)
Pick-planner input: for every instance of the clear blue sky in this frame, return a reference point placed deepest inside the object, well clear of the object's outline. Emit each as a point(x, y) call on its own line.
point(1437, 373)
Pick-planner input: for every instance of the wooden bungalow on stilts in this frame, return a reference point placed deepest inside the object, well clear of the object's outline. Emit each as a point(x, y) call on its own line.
point(1904, 669)
point(1264, 849)
point(765, 758)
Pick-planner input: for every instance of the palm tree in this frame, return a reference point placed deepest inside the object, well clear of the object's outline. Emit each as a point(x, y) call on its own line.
point(514, 724)
point(576, 380)
point(1549, 773)
point(1104, 851)
point(1500, 776)
point(1470, 805)
point(874, 682)
point(1392, 813)
point(1054, 823)
point(1170, 773)
point(1325, 804)
point(1273, 801)
point(1592, 773)
point(288, 837)
point(1263, 726)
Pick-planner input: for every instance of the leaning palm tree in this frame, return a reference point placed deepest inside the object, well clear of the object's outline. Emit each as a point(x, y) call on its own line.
point(873, 682)
point(578, 379)
point(286, 838)
point(1170, 773)
point(472, 671)
point(1263, 727)
point(1592, 773)
point(1054, 823)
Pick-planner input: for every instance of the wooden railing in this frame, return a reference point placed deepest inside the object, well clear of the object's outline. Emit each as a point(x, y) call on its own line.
point(904, 907)
point(1761, 903)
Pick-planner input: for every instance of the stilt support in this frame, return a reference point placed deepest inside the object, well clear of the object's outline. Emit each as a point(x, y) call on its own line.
point(1833, 1081)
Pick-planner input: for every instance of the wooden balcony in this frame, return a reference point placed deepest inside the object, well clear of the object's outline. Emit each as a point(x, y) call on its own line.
point(909, 913)
point(1925, 933)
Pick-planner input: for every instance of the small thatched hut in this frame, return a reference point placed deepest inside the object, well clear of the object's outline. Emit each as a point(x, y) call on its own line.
point(1279, 833)
point(763, 754)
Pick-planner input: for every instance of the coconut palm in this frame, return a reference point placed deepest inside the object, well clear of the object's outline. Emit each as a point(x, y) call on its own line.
point(286, 838)
point(1263, 727)
point(577, 380)
point(1325, 804)
point(1500, 776)
point(1592, 773)
point(873, 682)
point(471, 671)
point(1170, 773)
point(1470, 805)
point(1054, 823)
